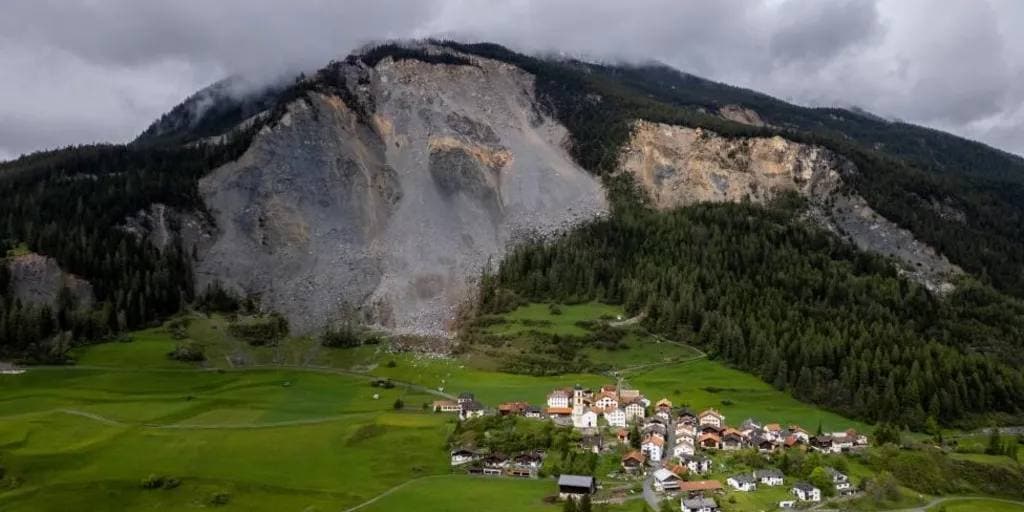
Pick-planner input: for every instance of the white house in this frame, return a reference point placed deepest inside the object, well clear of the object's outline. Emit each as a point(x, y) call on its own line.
point(652, 447)
point(697, 463)
point(841, 481)
point(584, 418)
point(615, 417)
point(473, 409)
point(769, 477)
point(744, 482)
point(665, 480)
point(558, 398)
point(711, 417)
point(607, 401)
point(682, 449)
point(806, 492)
point(462, 456)
point(635, 410)
point(699, 505)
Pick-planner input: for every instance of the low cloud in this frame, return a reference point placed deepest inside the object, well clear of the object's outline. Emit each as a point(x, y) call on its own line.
point(85, 71)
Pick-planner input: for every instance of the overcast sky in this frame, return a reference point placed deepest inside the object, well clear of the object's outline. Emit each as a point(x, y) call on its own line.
point(78, 71)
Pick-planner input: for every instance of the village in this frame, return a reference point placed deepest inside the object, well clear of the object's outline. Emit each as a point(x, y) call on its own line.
point(671, 450)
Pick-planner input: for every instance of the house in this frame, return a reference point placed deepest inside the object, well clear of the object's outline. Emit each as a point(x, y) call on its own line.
point(843, 443)
point(665, 480)
point(663, 414)
point(575, 486)
point(447, 406)
point(822, 443)
point(622, 435)
point(529, 459)
point(684, 415)
point(764, 445)
point(711, 429)
point(556, 412)
point(615, 417)
point(512, 408)
point(698, 463)
point(628, 395)
point(654, 428)
point(701, 486)
point(609, 388)
point(773, 431)
point(664, 405)
point(472, 409)
point(699, 504)
point(731, 440)
point(792, 441)
point(633, 462)
point(634, 410)
point(840, 480)
point(678, 469)
point(806, 492)
point(466, 397)
point(533, 412)
point(770, 477)
point(607, 400)
point(743, 482)
point(800, 433)
point(683, 448)
point(710, 441)
point(559, 398)
point(711, 417)
point(686, 430)
point(653, 447)
point(463, 456)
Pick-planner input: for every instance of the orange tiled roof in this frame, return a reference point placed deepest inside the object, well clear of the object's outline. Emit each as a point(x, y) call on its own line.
point(701, 485)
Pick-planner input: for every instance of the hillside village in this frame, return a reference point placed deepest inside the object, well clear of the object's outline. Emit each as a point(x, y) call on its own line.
point(672, 450)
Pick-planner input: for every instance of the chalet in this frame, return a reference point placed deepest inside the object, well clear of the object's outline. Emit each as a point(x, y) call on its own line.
point(447, 406)
point(528, 459)
point(663, 414)
point(800, 433)
point(840, 480)
point(557, 412)
point(743, 482)
point(512, 408)
point(793, 441)
point(711, 429)
point(615, 417)
point(731, 440)
point(711, 417)
point(575, 486)
point(466, 397)
point(764, 445)
point(665, 480)
point(559, 399)
point(843, 443)
point(710, 441)
point(533, 412)
point(770, 477)
point(635, 410)
point(495, 460)
point(684, 415)
point(633, 462)
point(701, 486)
point(463, 456)
point(822, 443)
point(806, 492)
point(698, 463)
point(607, 400)
point(773, 431)
point(664, 404)
point(652, 447)
point(699, 504)
point(472, 409)
point(655, 428)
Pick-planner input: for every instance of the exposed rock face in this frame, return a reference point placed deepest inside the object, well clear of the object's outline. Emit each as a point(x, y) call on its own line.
point(325, 215)
point(679, 166)
point(160, 224)
point(741, 115)
point(38, 280)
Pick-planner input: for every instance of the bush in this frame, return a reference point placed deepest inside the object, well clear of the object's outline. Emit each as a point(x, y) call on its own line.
point(220, 498)
point(399, 404)
point(257, 334)
point(554, 309)
point(188, 351)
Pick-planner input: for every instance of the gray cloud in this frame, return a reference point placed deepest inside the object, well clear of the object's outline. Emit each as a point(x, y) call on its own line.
point(82, 71)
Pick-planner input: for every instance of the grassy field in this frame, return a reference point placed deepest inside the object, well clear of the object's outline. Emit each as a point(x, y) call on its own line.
point(703, 383)
point(269, 440)
point(462, 493)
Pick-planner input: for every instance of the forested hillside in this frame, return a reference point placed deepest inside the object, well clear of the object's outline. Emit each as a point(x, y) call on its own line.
point(775, 296)
point(72, 205)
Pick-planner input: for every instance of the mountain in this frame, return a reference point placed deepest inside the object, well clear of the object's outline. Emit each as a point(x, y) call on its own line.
point(413, 186)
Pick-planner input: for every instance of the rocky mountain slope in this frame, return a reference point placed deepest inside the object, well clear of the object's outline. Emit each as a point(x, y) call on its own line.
point(38, 280)
point(679, 166)
point(390, 220)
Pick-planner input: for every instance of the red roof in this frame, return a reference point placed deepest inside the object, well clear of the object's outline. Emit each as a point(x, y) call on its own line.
point(701, 485)
point(560, 410)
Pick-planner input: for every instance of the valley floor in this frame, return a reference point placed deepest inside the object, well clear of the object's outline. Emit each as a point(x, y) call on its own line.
point(301, 427)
